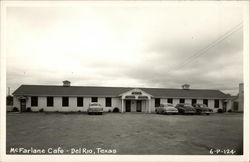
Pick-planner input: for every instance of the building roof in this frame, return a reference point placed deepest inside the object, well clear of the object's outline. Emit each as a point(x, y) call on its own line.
point(49, 90)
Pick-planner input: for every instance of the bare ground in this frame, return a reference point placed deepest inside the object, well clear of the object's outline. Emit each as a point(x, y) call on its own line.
point(129, 133)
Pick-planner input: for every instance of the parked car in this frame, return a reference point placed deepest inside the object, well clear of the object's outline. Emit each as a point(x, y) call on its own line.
point(202, 109)
point(95, 108)
point(185, 108)
point(166, 108)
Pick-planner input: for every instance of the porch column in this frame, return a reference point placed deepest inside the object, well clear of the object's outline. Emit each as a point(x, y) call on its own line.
point(122, 105)
point(149, 106)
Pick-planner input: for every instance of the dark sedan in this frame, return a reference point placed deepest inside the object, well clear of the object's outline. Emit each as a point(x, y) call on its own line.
point(184, 108)
point(202, 109)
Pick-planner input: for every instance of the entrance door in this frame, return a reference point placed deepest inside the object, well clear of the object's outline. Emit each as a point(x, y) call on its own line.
point(128, 105)
point(224, 106)
point(23, 105)
point(138, 106)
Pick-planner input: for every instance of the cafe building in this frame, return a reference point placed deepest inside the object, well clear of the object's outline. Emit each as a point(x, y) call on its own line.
point(67, 98)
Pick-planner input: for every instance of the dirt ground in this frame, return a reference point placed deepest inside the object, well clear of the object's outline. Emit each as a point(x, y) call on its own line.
point(128, 133)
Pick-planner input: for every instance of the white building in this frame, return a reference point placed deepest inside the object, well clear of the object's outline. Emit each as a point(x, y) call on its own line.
point(67, 98)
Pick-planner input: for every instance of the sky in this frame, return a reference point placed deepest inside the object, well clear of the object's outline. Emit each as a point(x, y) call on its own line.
point(161, 46)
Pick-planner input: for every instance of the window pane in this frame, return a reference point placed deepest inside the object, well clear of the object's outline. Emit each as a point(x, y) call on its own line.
point(170, 100)
point(79, 101)
point(65, 101)
point(94, 99)
point(205, 101)
point(34, 101)
point(216, 104)
point(50, 101)
point(108, 102)
point(182, 100)
point(157, 102)
point(194, 101)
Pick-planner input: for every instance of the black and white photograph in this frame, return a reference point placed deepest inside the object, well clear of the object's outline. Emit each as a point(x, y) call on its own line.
point(125, 80)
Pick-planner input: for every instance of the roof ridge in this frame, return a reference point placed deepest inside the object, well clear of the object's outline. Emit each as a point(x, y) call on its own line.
point(125, 87)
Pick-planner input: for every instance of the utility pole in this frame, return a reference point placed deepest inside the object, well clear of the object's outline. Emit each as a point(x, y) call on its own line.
point(8, 91)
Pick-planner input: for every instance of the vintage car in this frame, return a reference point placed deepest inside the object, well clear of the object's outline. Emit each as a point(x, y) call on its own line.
point(202, 109)
point(185, 108)
point(95, 108)
point(166, 108)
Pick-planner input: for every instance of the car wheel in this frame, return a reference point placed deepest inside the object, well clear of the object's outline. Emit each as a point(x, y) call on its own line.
point(208, 114)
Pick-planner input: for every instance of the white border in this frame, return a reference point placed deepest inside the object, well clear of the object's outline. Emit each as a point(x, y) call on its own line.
point(226, 158)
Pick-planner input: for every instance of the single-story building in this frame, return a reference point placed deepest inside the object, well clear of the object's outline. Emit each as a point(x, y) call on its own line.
point(67, 98)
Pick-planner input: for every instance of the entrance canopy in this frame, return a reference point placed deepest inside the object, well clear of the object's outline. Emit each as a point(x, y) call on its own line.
point(135, 94)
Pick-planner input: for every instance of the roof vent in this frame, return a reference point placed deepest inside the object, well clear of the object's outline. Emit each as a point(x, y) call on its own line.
point(185, 86)
point(66, 83)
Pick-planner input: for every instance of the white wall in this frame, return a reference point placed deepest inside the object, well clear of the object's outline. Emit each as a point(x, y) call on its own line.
point(116, 102)
point(42, 104)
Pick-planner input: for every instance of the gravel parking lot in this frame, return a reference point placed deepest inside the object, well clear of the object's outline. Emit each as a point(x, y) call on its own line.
point(129, 133)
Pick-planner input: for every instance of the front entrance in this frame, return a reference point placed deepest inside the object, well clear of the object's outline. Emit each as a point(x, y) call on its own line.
point(128, 105)
point(23, 105)
point(224, 106)
point(138, 106)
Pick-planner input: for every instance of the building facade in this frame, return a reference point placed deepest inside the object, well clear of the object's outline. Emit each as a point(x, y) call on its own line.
point(67, 98)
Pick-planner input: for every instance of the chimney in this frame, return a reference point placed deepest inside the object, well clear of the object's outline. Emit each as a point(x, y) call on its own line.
point(185, 86)
point(241, 89)
point(66, 83)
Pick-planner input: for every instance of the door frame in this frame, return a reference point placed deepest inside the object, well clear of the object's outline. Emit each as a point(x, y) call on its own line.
point(23, 105)
point(138, 106)
point(127, 105)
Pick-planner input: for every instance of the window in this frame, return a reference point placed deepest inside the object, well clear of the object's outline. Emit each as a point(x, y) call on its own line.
point(65, 101)
point(205, 101)
point(235, 106)
point(182, 100)
point(194, 101)
point(157, 102)
point(108, 102)
point(170, 100)
point(94, 99)
point(79, 101)
point(50, 101)
point(216, 104)
point(34, 101)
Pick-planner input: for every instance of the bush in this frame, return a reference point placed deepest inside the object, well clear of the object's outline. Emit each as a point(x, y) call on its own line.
point(41, 110)
point(116, 109)
point(109, 110)
point(28, 109)
point(230, 110)
point(219, 111)
point(15, 109)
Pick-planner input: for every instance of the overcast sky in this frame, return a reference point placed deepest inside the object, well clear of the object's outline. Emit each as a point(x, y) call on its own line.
point(132, 46)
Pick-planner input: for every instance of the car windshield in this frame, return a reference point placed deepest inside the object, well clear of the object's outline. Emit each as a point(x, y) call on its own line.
point(167, 104)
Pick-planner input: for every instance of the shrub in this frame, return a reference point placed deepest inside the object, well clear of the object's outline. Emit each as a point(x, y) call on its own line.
point(219, 111)
point(109, 110)
point(79, 111)
point(28, 109)
point(230, 110)
point(41, 110)
point(15, 109)
point(116, 109)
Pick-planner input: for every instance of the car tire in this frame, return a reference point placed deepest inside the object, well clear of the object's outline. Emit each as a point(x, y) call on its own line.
point(207, 114)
